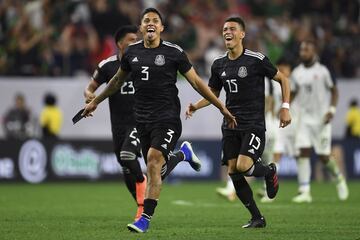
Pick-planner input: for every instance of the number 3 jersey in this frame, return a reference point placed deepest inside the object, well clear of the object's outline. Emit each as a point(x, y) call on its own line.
point(154, 73)
point(244, 82)
point(121, 104)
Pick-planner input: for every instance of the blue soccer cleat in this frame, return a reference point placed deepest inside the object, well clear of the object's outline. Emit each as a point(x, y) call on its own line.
point(139, 226)
point(190, 156)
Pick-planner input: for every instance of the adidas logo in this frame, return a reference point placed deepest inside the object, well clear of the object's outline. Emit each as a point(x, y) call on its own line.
point(135, 59)
point(164, 146)
point(223, 74)
point(252, 151)
point(134, 143)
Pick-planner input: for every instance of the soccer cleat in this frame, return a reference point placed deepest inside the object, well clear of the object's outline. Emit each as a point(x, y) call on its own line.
point(140, 196)
point(190, 156)
point(271, 180)
point(255, 223)
point(342, 189)
point(229, 194)
point(304, 197)
point(139, 226)
point(266, 199)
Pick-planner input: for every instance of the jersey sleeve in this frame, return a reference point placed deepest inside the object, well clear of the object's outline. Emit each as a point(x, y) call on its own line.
point(125, 63)
point(214, 81)
point(329, 80)
point(269, 70)
point(184, 64)
point(99, 76)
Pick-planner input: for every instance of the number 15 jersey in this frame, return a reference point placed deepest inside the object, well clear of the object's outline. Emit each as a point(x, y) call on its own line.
point(154, 73)
point(244, 82)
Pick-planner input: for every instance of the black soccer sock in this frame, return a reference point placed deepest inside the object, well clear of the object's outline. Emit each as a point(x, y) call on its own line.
point(257, 170)
point(130, 181)
point(245, 194)
point(129, 160)
point(149, 208)
point(174, 159)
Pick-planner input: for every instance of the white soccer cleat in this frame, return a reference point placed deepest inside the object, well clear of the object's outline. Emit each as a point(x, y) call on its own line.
point(304, 197)
point(266, 199)
point(229, 194)
point(342, 189)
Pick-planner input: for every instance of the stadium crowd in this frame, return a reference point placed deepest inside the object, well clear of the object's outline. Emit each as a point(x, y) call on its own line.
point(67, 38)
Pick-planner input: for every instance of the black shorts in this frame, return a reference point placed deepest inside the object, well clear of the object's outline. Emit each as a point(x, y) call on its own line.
point(250, 143)
point(161, 136)
point(125, 138)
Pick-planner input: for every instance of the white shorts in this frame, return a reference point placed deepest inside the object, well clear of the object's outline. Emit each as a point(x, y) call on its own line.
point(316, 136)
point(284, 138)
point(285, 143)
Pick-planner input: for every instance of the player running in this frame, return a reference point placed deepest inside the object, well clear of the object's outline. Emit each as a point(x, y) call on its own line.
point(241, 73)
point(317, 95)
point(125, 137)
point(153, 64)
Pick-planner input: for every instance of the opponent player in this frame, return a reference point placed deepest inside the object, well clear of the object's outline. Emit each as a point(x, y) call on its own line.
point(241, 73)
point(317, 96)
point(125, 139)
point(279, 141)
point(153, 64)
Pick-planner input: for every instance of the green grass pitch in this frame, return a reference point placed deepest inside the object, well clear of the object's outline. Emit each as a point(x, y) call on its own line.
point(102, 210)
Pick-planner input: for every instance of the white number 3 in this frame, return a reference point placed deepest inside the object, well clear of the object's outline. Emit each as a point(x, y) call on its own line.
point(145, 70)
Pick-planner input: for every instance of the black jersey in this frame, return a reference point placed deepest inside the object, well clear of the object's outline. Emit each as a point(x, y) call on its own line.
point(243, 81)
point(121, 103)
point(154, 72)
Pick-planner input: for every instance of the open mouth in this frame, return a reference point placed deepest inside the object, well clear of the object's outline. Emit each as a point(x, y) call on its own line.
point(151, 30)
point(228, 37)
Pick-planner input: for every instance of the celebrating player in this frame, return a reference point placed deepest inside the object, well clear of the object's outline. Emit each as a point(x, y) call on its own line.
point(317, 96)
point(153, 64)
point(241, 73)
point(125, 139)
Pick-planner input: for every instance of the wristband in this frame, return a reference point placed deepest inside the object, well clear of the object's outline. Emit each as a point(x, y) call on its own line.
point(285, 105)
point(332, 110)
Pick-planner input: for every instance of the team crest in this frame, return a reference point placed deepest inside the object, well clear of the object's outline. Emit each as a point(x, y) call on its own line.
point(160, 60)
point(242, 72)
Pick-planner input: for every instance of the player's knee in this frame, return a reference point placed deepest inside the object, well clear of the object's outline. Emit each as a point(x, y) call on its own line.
point(243, 164)
point(155, 159)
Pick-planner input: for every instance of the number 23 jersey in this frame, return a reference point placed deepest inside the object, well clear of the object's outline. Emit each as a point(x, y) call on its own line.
point(243, 80)
point(154, 72)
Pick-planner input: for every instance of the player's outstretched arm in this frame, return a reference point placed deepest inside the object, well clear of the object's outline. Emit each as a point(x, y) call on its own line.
point(192, 108)
point(284, 115)
point(205, 91)
point(112, 87)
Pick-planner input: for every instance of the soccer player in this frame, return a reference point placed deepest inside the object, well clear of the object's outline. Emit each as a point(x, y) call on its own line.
point(317, 96)
point(125, 137)
point(241, 73)
point(153, 64)
point(279, 141)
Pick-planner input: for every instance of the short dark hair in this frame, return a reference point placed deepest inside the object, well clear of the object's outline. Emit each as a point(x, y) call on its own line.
point(237, 20)
point(122, 31)
point(50, 99)
point(153, 10)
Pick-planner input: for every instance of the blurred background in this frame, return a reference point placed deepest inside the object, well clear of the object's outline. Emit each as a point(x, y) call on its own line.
point(49, 49)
